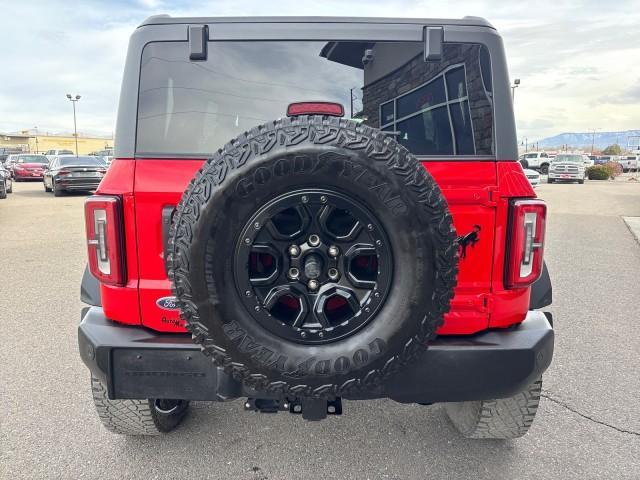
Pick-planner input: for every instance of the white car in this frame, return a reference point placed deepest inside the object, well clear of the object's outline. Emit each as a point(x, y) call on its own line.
point(532, 176)
point(629, 162)
point(54, 153)
point(536, 161)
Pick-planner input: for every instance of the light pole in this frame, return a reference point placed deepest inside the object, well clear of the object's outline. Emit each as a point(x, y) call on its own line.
point(36, 129)
point(75, 129)
point(515, 85)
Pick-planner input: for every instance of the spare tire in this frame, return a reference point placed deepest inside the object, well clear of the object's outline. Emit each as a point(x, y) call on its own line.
point(313, 257)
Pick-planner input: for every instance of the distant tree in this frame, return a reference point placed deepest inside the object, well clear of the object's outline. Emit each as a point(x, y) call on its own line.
point(612, 150)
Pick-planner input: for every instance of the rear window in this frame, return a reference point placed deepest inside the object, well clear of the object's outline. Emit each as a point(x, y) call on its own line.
point(82, 160)
point(433, 108)
point(32, 159)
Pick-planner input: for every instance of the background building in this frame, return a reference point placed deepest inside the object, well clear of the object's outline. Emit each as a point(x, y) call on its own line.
point(33, 141)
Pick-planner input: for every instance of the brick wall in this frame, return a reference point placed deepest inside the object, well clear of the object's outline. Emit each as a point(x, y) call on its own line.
point(417, 72)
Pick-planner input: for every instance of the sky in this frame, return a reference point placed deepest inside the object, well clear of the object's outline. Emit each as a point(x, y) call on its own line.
point(578, 61)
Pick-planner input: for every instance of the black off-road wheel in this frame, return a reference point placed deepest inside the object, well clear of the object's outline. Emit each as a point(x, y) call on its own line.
point(313, 257)
point(137, 417)
point(504, 418)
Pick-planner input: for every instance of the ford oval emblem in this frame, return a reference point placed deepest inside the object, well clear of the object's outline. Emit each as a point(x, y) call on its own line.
point(167, 303)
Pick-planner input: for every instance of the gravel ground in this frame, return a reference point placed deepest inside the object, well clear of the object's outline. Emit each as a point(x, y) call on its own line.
point(588, 425)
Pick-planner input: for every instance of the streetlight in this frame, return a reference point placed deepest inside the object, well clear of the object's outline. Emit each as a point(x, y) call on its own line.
point(75, 130)
point(515, 85)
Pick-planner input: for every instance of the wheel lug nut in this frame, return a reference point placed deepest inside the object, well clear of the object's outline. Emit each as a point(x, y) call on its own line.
point(314, 240)
point(333, 251)
point(294, 251)
point(294, 273)
point(333, 274)
point(313, 284)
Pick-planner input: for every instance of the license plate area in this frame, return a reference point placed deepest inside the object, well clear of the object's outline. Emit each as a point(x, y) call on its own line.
point(162, 373)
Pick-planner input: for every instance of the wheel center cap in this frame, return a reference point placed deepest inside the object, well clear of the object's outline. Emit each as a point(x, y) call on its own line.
point(312, 266)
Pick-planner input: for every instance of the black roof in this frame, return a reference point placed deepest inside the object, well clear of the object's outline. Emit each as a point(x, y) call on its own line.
point(465, 21)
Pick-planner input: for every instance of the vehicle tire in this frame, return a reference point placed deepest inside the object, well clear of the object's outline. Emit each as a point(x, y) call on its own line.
point(550, 180)
point(581, 182)
point(503, 418)
point(544, 169)
point(3, 193)
point(137, 417)
point(57, 192)
point(303, 162)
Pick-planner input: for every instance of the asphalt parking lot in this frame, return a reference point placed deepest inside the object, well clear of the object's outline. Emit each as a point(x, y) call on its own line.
point(588, 425)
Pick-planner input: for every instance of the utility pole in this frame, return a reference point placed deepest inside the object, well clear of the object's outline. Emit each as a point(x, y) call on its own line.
point(593, 136)
point(75, 129)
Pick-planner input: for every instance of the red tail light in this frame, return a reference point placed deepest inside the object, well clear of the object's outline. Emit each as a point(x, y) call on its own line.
point(315, 108)
point(105, 240)
point(526, 242)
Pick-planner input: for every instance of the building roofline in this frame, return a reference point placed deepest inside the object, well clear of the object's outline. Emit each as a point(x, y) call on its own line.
point(465, 21)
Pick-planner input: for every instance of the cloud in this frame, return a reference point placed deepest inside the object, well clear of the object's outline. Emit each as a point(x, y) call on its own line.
point(629, 96)
point(575, 59)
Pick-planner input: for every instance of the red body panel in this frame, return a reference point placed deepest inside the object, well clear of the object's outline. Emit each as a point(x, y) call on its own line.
point(122, 303)
point(478, 193)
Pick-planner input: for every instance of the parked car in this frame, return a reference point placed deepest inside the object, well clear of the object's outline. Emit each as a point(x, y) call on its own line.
point(567, 167)
point(68, 172)
point(107, 155)
point(55, 152)
point(602, 159)
point(6, 184)
point(6, 151)
point(629, 163)
point(532, 176)
point(536, 161)
point(296, 257)
point(588, 161)
point(26, 166)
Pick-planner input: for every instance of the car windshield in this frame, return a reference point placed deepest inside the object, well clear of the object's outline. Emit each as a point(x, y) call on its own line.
point(32, 159)
point(568, 158)
point(81, 160)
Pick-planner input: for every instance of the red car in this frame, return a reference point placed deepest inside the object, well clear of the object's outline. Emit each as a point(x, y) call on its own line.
point(306, 210)
point(26, 166)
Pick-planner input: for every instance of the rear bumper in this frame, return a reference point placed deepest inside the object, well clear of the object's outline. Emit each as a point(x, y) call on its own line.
point(79, 183)
point(566, 176)
point(135, 362)
point(28, 176)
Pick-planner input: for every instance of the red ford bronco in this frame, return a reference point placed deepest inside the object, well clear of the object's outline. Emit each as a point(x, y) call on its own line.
point(305, 210)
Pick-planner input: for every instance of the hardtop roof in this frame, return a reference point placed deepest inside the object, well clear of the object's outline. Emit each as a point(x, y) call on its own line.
point(465, 21)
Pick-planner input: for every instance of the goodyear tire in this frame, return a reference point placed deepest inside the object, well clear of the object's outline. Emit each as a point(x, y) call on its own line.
point(313, 159)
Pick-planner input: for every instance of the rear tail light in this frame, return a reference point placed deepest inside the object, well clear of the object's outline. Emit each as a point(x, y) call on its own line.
point(63, 172)
point(315, 108)
point(525, 242)
point(103, 220)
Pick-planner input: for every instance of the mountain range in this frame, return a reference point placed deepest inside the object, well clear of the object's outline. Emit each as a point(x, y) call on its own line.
point(583, 139)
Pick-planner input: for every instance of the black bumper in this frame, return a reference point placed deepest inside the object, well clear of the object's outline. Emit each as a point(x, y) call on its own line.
point(135, 362)
point(78, 183)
